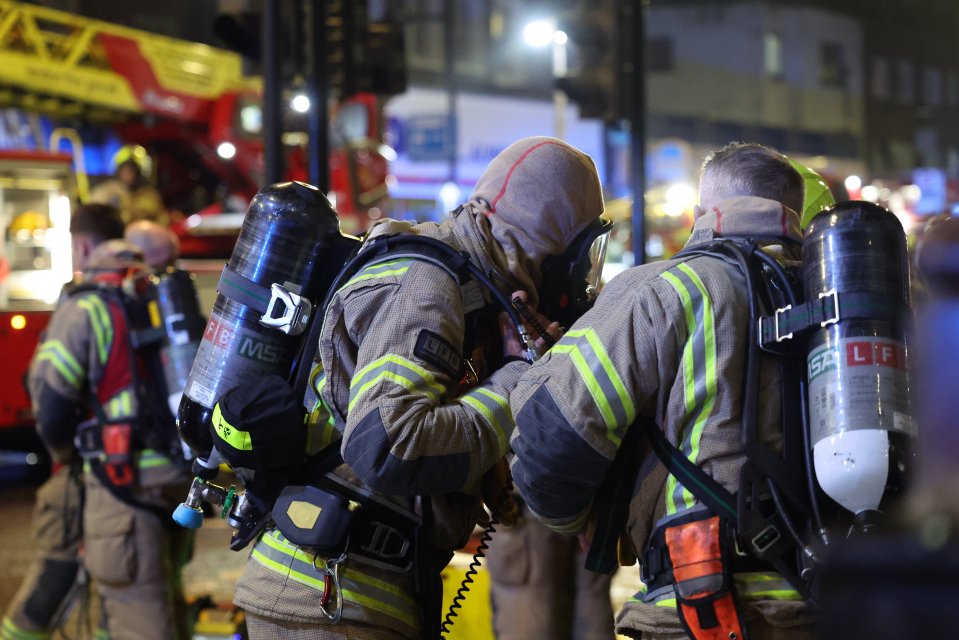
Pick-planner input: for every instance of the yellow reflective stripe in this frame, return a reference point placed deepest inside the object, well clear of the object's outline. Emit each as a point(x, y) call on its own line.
point(382, 270)
point(601, 379)
point(100, 321)
point(348, 575)
point(56, 354)
point(494, 408)
point(120, 405)
point(10, 631)
point(769, 586)
point(699, 368)
point(573, 527)
point(150, 459)
point(239, 440)
point(709, 337)
point(320, 428)
point(398, 370)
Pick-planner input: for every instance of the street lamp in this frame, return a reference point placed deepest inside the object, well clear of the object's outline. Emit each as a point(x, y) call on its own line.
point(538, 34)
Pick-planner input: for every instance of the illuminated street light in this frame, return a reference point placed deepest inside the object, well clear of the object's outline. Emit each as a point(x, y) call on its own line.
point(853, 183)
point(300, 103)
point(226, 150)
point(540, 33)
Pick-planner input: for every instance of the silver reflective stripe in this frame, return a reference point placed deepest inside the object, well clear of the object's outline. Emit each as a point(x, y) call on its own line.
point(495, 408)
point(398, 370)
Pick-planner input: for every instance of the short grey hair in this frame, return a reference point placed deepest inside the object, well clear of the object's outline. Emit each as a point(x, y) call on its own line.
point(749, 169)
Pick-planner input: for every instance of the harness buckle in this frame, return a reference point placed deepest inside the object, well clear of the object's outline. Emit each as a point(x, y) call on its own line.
point(779, 313)
point(296, 311)
point(762, 541)
point(386, 542)
point(835, 306)
point(88, 439)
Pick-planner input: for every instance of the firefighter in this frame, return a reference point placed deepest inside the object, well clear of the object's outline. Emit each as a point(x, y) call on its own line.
point(416, 434)
point(129, 190)
point(663, 349)
point(96, 394)
point(160, 246)
point(57, 518)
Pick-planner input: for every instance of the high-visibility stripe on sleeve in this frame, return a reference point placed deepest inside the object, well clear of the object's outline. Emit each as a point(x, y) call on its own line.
point(10, 631)
point(54, 352)
point(495, 408)
point(382, 270)
point(699, 372)
point(398, 370)
point(276, 554)
point(101, 323)
point(596, 370)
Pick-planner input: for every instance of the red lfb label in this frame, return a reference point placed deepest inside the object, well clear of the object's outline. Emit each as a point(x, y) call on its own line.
point(883, 354)
point(219, 333)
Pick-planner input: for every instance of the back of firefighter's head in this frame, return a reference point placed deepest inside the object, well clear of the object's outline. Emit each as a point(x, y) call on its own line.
point(539, 194)
point(90, 226)
point(159, 245)
point(119, 263)
point(748, 169)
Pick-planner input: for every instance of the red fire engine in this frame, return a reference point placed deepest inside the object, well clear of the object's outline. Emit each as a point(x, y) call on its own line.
point(186, 103)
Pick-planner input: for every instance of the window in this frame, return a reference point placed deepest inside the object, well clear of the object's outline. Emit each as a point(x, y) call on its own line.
point(773, 55)
point(932, 87)
point(905, 82)
point(832, 70)
point(952, 89)
point(660, 54)
point(881, 89)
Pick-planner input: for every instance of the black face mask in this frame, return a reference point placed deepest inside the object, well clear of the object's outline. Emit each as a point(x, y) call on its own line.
point(570, 281)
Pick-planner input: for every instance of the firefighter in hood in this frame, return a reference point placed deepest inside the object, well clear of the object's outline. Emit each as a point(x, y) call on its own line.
point(97, 392)
point(662, 349)
point(405, 395)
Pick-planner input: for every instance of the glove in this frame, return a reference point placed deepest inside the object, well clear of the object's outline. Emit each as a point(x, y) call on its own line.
point(259, 425)
point(496, 488)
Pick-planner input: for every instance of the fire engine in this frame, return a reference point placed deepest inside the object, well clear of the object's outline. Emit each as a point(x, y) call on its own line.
point(185, 102)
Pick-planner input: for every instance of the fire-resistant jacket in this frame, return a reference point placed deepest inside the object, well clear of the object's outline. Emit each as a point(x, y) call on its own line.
point(391, 350)
point(86, 353)
point(665, 342)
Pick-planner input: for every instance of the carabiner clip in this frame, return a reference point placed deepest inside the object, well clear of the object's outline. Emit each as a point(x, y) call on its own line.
point(331, 578)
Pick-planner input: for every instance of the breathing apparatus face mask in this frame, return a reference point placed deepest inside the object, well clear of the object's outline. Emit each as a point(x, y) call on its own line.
point(570, 281)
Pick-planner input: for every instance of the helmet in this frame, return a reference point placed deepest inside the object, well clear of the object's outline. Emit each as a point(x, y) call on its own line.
point(818, 195)
point(136, 155)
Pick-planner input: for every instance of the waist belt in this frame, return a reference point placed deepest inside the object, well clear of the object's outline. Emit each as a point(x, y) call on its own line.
point(330, 520)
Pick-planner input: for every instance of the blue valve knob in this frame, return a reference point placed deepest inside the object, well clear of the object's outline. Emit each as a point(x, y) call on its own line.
point(188, 517)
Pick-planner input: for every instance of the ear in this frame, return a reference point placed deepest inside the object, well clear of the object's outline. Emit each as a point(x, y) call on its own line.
point(698, 212)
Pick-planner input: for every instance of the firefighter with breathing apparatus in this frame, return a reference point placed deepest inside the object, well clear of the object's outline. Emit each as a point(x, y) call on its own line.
point(46, 590)
point(409, 387)
point(177, 301)
point(97, 387)
point(667, 421)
